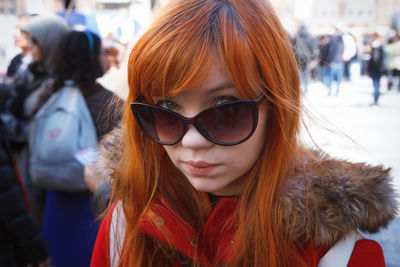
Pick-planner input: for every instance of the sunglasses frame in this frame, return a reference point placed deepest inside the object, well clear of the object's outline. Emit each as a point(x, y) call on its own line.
point(200, 128)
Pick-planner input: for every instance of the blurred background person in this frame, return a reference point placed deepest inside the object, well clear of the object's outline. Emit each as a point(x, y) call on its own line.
point(21, 39)
point(321, 59)
point(306, 51)
point(349, 54)
point(69, 224)
point(375, 66)
point(333, 62)
point(392, 61)
point(112, 54)
point(109, 59)
point(44, 34)
point(114, 60)
point(21, 240)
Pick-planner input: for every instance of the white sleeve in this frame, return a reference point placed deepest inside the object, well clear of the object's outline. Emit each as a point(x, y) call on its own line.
point(117, 234)
point(339, 255)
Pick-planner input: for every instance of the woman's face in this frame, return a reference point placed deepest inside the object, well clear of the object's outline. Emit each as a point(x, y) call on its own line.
point(36, 54)
point(210, 167)
point(22, 40)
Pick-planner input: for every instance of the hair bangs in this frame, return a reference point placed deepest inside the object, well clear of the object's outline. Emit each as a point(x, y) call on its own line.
point(171, 58)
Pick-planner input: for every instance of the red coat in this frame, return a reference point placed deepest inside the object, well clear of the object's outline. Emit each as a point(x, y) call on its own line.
point(216, 243)
point(342, 196)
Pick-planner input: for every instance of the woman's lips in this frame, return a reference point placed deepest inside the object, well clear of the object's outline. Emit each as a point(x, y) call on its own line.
point(200, 168)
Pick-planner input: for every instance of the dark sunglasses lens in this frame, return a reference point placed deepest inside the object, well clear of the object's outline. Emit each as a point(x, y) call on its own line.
point(229, 123)
point(158, 124)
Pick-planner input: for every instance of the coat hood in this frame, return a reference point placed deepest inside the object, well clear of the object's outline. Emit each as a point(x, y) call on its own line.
point(338, 197)
point(47, 31)
point(326, 198)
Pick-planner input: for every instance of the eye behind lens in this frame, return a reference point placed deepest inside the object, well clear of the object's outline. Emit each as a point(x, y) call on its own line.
point(228, 124)
point(160, 125)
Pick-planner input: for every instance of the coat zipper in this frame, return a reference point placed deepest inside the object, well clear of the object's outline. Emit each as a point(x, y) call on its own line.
point(166, 205)
point(217, 253)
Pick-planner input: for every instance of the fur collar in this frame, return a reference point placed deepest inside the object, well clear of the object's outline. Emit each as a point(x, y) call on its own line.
point(326, 198)
point(341, 197)
point(110, 153)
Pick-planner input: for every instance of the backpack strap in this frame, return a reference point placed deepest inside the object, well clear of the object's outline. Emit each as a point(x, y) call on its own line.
point(117, 234)
point(339, 255)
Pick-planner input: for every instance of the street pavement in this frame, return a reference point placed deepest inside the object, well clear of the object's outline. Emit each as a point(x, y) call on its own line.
point(348, 127)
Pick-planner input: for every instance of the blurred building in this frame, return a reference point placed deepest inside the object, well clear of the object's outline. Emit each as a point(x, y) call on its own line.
point(285, 10)
point(11, 6)
point(366, 15)
point(321, 16)
point(349, 12)
point(141, 10)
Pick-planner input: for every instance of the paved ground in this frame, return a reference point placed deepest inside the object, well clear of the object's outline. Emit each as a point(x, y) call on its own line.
point(375, 134)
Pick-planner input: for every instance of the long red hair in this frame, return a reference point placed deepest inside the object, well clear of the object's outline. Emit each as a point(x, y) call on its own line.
point(172, 56)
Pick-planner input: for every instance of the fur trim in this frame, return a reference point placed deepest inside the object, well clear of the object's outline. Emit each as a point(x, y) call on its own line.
point(329, 198)
point(325, 198)
point(110, 153)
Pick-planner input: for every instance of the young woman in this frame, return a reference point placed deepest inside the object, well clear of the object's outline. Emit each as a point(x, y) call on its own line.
point(212, 172)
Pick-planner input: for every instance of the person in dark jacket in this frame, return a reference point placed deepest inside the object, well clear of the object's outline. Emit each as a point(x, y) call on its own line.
point(323, 51)
point(69, 224)
point(333, 64)
point(21, 241)
point(375, 64)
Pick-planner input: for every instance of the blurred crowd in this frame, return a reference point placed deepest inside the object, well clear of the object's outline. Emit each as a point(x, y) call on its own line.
point(40, 226)
point(331, 58)
point(44, 227)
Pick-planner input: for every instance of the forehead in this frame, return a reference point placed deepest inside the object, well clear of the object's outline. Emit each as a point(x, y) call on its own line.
point(214, 81)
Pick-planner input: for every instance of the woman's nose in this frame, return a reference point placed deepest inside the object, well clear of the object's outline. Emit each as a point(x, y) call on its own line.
point(194, 139)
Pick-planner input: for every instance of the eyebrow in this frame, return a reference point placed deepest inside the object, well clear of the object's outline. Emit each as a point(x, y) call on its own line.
point(221, 87)
point(215, 89)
